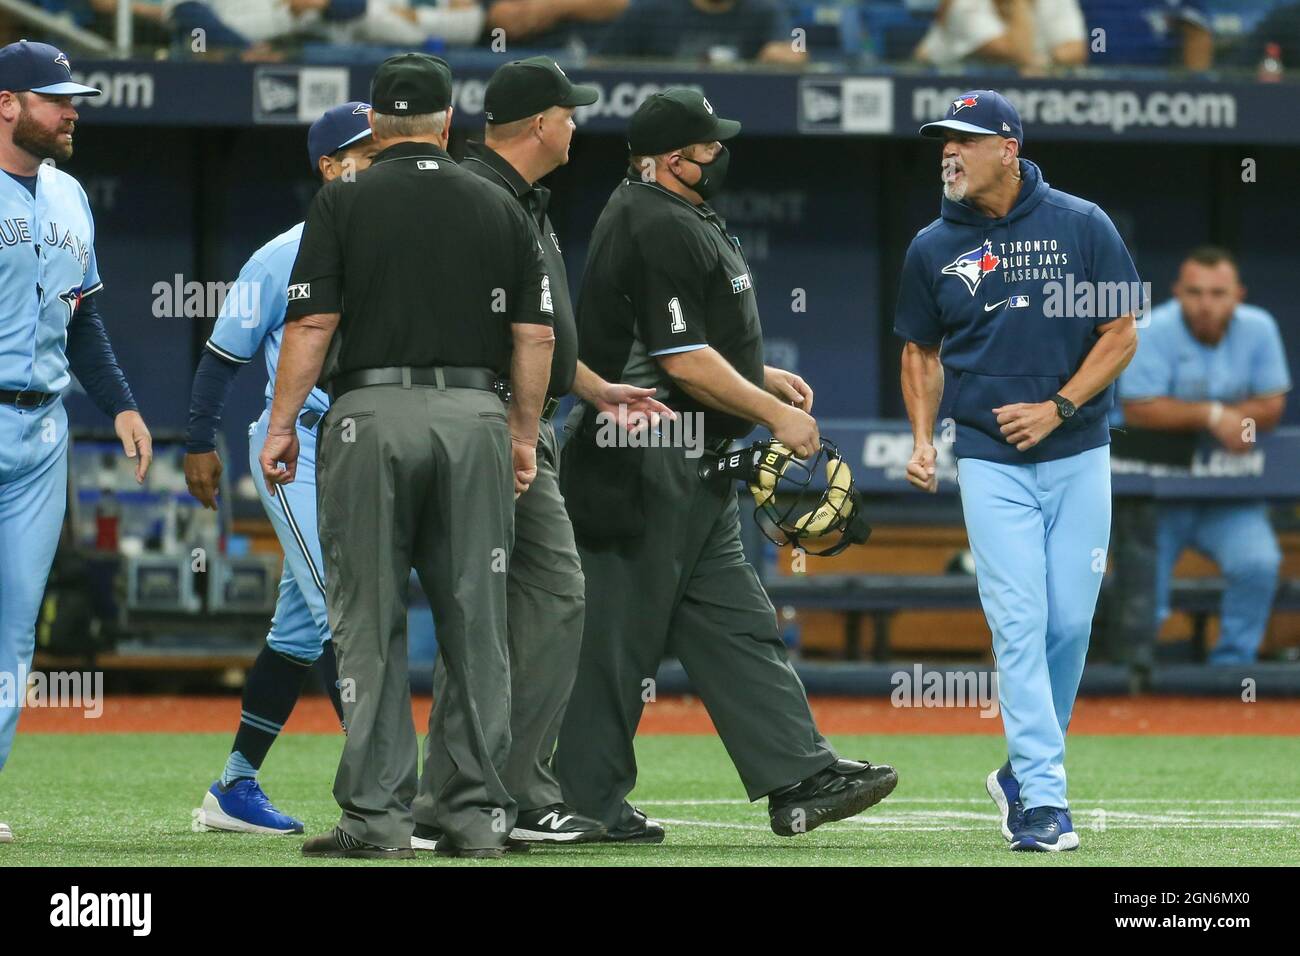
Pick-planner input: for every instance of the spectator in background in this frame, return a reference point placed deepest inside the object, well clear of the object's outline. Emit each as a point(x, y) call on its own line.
point(552, 23)
point(1029, 34)
point(255, 25)
point(1209, 363)
point(1151, 33)
point(149, 26)
point(705, 31)
point(1281, 26)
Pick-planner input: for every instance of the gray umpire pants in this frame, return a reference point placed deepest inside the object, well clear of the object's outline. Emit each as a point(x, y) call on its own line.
point(421, 478)
point(544, 601)
point(682, 588)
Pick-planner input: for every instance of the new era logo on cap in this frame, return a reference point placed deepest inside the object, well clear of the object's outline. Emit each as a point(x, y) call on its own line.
point(399, 104)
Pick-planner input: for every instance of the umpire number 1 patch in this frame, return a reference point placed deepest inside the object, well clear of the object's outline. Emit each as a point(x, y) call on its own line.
point(678, 321)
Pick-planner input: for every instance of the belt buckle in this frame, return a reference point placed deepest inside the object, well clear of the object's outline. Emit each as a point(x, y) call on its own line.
point(549, 409)
point(502, 388)
point(29, 399)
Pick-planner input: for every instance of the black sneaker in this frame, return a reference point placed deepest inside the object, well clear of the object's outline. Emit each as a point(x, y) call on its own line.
point(339, 844)
point(640, 830)
point(557, 823)
point(845, 788)
point(429, 839)
point(425, 838)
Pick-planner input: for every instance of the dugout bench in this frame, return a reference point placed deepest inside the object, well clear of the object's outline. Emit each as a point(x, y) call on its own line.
point(881, 596)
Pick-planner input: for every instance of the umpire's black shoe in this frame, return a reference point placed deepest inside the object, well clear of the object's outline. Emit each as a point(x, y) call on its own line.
point(640, 829)
point(557, 823)
point(338, 844)
point(431, 839)
point(843, 789)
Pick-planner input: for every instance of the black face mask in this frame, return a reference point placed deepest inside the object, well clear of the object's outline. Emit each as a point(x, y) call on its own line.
point(713, 174)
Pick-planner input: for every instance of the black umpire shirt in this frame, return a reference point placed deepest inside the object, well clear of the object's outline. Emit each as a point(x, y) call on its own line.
point(664, 276)
point(428, 264)
point(489, 164)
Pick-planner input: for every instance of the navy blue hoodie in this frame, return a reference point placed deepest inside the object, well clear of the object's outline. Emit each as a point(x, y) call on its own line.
point(997, 294)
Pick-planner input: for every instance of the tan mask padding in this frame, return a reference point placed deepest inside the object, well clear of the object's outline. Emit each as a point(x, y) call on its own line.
point(838, 480)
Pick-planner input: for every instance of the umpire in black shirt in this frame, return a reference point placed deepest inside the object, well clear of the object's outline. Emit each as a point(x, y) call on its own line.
point(668, 301)
point(529, 106)
point(425, 285)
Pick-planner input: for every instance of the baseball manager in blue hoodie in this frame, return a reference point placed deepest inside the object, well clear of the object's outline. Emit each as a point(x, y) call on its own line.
point(1025, 298)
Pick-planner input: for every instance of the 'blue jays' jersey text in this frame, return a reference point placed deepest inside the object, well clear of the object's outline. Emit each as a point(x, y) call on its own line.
point(47, 263)
point(252, 314)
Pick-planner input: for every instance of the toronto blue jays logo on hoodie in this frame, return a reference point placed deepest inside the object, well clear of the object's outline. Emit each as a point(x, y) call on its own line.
point(971, 267)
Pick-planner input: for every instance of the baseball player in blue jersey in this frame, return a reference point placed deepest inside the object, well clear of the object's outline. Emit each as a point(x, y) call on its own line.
point(996, 291)
point(338, 144)
point(50, 329)
point(1210, 363)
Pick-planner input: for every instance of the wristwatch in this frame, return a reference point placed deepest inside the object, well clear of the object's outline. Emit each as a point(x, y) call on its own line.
point(1064, 407)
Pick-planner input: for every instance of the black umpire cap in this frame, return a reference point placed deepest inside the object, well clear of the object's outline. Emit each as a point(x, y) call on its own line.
point(409, 84)
point(527, 87)
point(673, 119)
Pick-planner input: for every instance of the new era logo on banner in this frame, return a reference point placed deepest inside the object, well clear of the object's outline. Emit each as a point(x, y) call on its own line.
point(858, 104)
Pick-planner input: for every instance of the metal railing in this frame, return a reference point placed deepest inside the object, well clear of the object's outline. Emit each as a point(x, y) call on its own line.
point(67, 32)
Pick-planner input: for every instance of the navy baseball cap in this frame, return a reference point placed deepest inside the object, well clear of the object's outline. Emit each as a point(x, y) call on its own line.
point(39, 68)
point(338, 128)
point(979, 111)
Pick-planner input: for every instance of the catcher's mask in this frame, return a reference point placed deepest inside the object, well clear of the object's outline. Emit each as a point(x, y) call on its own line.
point(782, 483)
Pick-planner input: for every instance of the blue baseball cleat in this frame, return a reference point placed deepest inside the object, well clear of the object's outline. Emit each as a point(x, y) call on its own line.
point(1005, 791)
point(1046, 830)
point(243, 807)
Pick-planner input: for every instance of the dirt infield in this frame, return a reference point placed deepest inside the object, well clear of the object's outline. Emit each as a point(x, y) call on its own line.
point(835, 715)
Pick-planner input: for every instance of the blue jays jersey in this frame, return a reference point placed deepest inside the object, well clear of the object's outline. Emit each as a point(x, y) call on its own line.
point(1016, 303)
point(252, 314)
point(47, 263)
point(1248, 362)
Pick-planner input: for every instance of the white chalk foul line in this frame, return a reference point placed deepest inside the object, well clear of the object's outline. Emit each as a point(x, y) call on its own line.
point(1171, 801)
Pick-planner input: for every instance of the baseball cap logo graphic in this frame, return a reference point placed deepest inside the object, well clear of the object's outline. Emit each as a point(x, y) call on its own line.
point(707, 105)
point(62, 60)
point(558, 70)
point(361, 109)
point(964, 102)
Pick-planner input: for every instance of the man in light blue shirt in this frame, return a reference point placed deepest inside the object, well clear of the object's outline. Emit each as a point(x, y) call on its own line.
point(1209, 363)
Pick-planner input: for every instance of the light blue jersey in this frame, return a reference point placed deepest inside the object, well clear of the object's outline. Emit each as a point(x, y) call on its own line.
point(47, 263)
point(252, 314)
point(1248, 362)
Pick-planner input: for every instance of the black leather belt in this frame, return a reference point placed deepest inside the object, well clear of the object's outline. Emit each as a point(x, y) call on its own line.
point(443, 377)
point(27, 399)
point(550, 408)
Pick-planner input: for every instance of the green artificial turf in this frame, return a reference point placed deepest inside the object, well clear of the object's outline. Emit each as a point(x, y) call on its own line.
point(127, 799)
